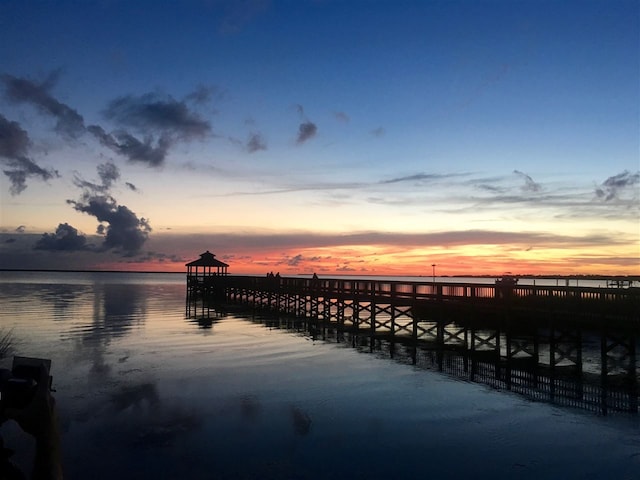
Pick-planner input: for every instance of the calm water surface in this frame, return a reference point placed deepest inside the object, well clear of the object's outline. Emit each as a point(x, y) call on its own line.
point(144, 392)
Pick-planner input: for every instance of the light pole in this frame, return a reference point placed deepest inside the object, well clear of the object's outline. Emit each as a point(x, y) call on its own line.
point(434, 272)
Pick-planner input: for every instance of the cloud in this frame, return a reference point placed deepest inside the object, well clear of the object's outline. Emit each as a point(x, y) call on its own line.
point(149, 151)
point(255, 143)
point(131, 186)
point(418, 177)
point(14, 148)
point(342, 117)
point(20, 229)
point(14, 140)
point(21, 169)
point(124, 230)
point(157, 113)
point(108, 173)
point(160, 120)
point(529, 185)
point(295, 260)
point(612, 186)
point(306, 131)
point(65, 238)
point(204, 94)
point(378, 132)
point(242, 243)
point(21, 90)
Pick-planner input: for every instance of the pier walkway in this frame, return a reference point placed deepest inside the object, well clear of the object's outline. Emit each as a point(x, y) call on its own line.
point(575, 345)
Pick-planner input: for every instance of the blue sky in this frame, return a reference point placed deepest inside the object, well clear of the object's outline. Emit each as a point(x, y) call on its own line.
point(332, 136)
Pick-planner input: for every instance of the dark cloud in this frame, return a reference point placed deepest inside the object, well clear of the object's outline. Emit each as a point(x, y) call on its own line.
point(529, 184)
point(611, 187)
point(131, 186)
point(21, 90)
point(306, 130)
point(157, 113)
point(121, 228)
point(14, 140)
point(149, 151)
point(65, 238)
point(255, 143)
point(160, 120)
point(14, 148)
point(378, 132)
point(124, 230)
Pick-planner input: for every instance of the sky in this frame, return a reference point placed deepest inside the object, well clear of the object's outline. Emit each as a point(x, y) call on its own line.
point(338, 137)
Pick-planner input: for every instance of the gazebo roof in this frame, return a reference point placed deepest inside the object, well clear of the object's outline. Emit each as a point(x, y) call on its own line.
point(207, 259)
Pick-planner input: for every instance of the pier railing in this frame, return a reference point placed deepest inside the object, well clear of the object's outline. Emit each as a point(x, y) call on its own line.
point(621, 303)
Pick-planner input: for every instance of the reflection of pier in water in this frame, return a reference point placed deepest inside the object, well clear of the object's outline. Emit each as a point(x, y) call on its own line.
point(567, 367)
point(567, 345)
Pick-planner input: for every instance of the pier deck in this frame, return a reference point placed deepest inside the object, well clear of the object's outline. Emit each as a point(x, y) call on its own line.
point(518, 332)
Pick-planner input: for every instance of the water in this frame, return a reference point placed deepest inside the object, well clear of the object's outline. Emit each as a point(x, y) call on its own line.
point(144, 392)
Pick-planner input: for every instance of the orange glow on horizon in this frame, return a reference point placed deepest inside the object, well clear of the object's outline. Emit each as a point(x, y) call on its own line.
point(485, 260)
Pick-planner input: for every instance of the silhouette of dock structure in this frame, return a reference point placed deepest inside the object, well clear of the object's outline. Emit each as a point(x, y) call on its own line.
point(203, 285)
point(576, 345)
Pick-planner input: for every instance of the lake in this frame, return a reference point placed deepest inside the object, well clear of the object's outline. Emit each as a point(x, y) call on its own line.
point(144, 392)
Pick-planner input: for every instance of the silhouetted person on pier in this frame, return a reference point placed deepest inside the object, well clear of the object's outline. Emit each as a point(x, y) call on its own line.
point(39, 419)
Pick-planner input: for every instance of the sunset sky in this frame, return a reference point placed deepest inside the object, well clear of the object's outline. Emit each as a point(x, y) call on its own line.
point(337, 137)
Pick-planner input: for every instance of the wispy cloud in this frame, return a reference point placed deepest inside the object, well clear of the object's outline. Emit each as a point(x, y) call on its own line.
point(342, 117)
point(256, 143)
point(378, 132)
point(204, 95)
point(244, 242)
point(614, 185)
point(421, 177)
point(237, 14)
point(529, 184)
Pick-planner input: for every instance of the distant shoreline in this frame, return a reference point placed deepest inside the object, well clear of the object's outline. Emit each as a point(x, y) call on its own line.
point(635, 278)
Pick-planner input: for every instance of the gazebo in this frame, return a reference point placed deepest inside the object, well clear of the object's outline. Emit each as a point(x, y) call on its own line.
point(206, 266)
point(201, 282)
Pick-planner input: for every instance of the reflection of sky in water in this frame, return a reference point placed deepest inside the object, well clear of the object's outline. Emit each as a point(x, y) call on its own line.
point(144, 393)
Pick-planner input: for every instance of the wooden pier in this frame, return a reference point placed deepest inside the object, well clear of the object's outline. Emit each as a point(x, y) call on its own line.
point(566, 344)
point(396, 307)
